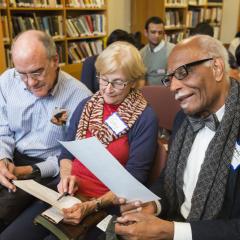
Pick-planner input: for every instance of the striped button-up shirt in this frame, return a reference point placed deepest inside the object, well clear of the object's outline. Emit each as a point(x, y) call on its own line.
point(25, 120)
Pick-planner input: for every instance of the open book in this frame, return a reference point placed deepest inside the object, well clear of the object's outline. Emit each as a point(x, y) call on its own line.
point(49, 196)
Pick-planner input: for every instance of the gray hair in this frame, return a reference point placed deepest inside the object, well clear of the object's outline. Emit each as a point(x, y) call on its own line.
point(212, 47)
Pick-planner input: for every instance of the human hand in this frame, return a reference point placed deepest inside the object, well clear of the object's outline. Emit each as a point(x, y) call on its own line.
point(133, 227)
point(77, 212)
point(6, 174)
point(68, 184)
point(136, 206)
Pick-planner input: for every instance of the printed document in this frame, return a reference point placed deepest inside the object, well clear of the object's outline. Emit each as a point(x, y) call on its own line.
point(103, 165)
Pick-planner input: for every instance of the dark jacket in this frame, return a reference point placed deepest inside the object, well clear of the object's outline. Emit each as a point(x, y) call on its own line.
point(88, 76)
point(227, 225)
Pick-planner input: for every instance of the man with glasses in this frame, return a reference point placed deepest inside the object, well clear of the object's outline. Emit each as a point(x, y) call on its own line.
point(155, 53)
point(200, 186)
point(31, 93)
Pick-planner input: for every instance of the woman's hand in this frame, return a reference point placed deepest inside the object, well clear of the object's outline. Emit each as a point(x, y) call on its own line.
point(77, 212)
point(68, 184)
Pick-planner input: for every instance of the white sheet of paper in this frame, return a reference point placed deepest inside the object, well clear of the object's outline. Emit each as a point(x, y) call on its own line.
point(102, 164)
point(104, 223)
point(49, 196)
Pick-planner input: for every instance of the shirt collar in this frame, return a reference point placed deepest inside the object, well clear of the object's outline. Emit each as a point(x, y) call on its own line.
point(220, 113)
point(158, 47)
point(56, 85)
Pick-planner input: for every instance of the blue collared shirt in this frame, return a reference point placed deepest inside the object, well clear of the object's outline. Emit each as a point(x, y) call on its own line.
point(25, 120)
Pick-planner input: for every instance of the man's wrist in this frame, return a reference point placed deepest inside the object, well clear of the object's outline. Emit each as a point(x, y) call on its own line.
point(35, 171)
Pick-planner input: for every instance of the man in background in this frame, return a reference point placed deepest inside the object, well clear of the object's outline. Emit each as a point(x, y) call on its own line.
point(200, 186)
point(29, 95)
point(156, 52)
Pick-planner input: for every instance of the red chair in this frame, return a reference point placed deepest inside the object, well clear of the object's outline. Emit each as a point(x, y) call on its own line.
point(166, 107)
point(163, 103)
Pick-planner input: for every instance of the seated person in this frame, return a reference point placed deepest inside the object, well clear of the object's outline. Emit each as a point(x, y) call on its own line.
point(29, 95)
point(119, 68)
point(88, 76)
point(200, 186)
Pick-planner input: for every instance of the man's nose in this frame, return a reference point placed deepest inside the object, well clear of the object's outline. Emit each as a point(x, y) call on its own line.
point(31, 81)
point(175, 84)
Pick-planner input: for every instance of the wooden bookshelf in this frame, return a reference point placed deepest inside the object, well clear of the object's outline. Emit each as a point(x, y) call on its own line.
point(179, 15)
point(69, 22)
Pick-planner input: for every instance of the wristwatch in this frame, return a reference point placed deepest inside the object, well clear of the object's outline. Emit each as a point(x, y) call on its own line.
point(98, 205)
point(35, 172)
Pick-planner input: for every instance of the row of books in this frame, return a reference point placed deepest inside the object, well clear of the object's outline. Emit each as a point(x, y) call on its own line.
point(5, 29)
point(194, 17)
point(175, 37)
point(35, 3)
point(79, 51)
point(197, 2)
point(8, 57)
point(55, 3)
point(53, 25)
point(204, 2)
point(173, 18)
point(213, 15)
point(86, 3)
point(86, 25)
point(178, 2)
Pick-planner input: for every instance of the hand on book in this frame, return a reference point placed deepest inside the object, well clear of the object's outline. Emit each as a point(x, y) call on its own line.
point(77, 212)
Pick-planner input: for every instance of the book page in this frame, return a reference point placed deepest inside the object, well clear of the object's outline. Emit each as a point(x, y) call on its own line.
point(49, 196)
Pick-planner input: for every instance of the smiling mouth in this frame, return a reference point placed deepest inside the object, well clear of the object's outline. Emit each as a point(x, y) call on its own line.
point(183, 98)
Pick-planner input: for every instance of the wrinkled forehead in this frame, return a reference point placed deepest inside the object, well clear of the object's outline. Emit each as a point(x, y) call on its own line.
point(183, 54)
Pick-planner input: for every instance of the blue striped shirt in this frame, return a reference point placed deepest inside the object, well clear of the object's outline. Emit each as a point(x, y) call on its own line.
point(25, 120)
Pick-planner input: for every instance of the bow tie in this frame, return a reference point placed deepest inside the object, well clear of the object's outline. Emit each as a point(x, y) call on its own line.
point(210, 121)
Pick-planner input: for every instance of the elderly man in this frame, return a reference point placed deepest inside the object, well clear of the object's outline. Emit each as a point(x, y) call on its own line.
point(156, 52)
point(30, 95)
point(200, 187)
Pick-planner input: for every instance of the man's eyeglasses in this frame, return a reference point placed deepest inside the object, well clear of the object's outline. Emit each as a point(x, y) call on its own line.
point(182, 72)
point(38, 75)
point(116, 83)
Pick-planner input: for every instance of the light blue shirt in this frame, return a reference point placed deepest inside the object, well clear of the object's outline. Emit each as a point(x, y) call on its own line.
point(25, 120)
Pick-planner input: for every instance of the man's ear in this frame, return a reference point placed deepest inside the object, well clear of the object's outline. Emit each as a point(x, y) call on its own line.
point(55, 61)
point(218, 69)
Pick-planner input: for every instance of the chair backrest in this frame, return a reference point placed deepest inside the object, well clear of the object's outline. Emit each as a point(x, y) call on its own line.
point(158, 164)
point(163, 103)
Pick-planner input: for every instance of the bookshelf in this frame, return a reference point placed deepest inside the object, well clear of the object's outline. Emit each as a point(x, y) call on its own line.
point(180, 16)
point(78, 27)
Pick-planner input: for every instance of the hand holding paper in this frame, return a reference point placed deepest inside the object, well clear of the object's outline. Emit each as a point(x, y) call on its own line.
point(108, 170)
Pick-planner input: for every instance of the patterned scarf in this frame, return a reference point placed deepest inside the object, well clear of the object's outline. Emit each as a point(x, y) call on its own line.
point(208, 196)
point(92, 116)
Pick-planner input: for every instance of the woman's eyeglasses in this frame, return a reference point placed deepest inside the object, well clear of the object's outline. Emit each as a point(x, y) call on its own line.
point(182, 72)
point(116, 83)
